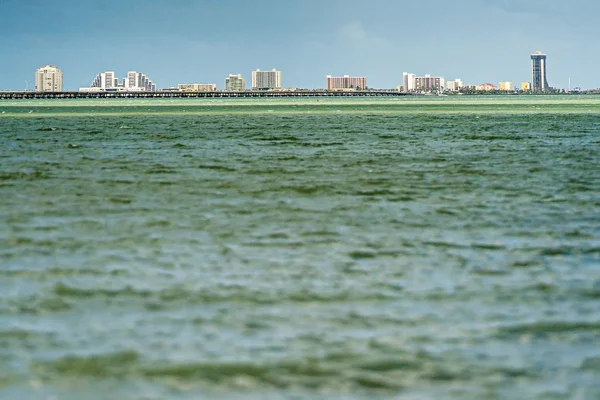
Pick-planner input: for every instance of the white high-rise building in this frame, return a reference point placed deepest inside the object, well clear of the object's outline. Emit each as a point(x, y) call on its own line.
point(409, 82)
point(262, 80)
point(134, 82)
point(235, 83)
point(454, 85)
point(48, 79)
point(138, 82)
point(105, 80)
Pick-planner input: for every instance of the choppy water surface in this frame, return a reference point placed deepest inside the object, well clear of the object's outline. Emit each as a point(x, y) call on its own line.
point(355, 249)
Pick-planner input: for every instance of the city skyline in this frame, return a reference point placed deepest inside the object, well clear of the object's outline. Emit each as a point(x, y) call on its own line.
point(267, 80)
point(477, 40)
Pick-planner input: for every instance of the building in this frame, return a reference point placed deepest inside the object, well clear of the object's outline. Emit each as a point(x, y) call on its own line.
point(429, 83)
point(48, 79)
point(506, 86)
point(408, 81)
point(104, 80)
point(134, 82)
point(235, 83)
point(525, 86)
point(486, 87)
point(539, 74)
point(345, 82)
point(138, 82)
point(197, 87)
point(454, 85)
point(264, 80)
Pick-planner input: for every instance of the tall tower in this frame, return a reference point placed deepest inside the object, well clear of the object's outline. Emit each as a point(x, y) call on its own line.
point(266, 79)
point(539, 78)
point(48, 79)
point(235, 83)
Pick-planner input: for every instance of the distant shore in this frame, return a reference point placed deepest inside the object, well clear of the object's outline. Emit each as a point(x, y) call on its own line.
point(15, 95)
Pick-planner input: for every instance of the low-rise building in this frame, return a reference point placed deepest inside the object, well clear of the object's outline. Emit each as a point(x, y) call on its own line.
point(197, 87)
point(486, 87)
point(90, 89)
point(525, 86)
point(506, 86)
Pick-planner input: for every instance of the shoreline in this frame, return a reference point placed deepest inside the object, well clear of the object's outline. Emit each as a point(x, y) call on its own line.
point(222, 94)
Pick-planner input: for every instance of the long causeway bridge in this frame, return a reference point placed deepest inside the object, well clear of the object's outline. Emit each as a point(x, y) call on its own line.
point(216, 94)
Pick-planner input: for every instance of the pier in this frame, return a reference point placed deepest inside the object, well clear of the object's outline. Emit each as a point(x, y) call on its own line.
point(165, 94)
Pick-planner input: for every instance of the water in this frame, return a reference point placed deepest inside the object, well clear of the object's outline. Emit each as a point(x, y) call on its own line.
point(272, 249)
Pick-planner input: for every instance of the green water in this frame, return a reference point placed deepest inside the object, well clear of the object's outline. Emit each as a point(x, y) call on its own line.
point(439, 247)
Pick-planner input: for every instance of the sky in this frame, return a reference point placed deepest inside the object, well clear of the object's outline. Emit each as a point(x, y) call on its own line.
point(202, 41)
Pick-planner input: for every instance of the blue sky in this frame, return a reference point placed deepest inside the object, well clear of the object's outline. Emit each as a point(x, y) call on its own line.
point(202, 41)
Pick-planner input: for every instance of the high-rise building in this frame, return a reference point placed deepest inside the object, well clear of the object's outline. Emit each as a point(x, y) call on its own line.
point(346, 82)
point(235, 83)
point(409, 81)
point(454, 85)
point(429, 83)
point(539, 78)
point(105, 80)
point(134, 82)
point(137, 81)
point(48, 79)
point(263, 80)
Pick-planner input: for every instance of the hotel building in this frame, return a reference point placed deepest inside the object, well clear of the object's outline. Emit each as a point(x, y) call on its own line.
point(345, 82)
point(264, 80)
point(235, 83)
point(48, 79)
point(539, 79)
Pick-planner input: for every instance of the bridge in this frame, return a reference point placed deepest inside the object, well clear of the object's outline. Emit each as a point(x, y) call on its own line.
point(166, 94)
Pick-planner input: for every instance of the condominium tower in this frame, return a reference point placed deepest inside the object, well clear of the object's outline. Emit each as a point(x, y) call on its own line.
point(346, 82)
point(235, 83)
point(262, 80)
point(429, 83)
point(539, 79)
point(409, 81)
point(134, 82)
point(48, 79)
point(105, 80)
point(137, 81)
